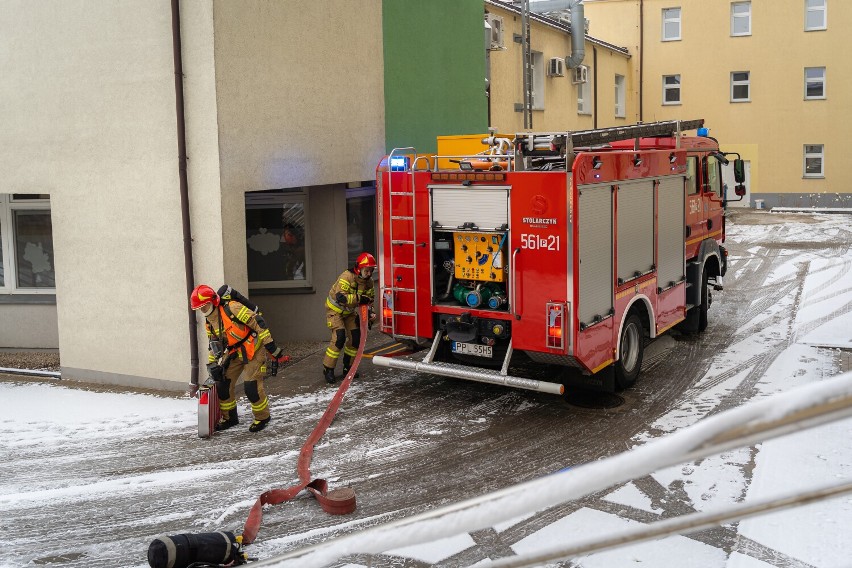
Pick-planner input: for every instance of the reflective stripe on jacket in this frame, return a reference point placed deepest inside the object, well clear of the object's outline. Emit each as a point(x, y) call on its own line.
point(239, 329)
point(350, 286)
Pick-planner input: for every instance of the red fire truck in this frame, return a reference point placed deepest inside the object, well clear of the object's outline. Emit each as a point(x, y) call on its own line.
point(567, 249)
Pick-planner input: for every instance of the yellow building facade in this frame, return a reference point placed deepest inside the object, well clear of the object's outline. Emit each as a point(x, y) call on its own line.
point(771, 80)
point(560, 100)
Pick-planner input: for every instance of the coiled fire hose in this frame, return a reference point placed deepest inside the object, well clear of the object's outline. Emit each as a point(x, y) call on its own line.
point(337, 501)
point(220, 549)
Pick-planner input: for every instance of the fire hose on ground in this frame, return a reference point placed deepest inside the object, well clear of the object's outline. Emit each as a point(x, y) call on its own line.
point(224, 548)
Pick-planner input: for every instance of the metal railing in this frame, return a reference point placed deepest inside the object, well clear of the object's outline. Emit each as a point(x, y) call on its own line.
point(756, 421)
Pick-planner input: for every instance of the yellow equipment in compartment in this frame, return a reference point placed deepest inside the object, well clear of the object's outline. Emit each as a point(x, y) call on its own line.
point(479, 256)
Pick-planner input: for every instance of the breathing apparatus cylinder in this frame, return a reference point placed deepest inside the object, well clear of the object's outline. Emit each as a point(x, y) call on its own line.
point(182, 550)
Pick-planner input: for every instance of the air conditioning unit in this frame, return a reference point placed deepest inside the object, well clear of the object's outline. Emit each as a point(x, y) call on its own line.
point(580, 74)
point(495, 22)
point(556, 67)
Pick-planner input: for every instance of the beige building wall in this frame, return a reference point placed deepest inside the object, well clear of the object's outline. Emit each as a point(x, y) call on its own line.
point(560, 110)
point(89, 117)
point(778, 121)
point(276, 98)
point(300, 98)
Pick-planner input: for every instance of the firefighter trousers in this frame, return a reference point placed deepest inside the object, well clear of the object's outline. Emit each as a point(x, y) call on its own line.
point(253, 373)
point(342, 329)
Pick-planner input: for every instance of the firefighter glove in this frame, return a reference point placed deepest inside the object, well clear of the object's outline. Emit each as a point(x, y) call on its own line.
point(217, 373)
point(341, 298)
point(364, 300)
point(272, 368)
point(192, 390)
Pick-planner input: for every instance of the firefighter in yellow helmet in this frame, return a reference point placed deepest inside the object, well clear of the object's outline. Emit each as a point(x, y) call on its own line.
point(236, 334)
point(351, 289)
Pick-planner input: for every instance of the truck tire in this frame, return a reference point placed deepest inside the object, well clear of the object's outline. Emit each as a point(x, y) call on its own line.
point(631, 348)
point(705, 301)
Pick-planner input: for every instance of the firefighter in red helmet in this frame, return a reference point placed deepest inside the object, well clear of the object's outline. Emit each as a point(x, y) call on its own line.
point(236, 333)
point(351, 289)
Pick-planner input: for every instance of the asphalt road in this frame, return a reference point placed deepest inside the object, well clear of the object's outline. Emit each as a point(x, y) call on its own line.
point(406, 444)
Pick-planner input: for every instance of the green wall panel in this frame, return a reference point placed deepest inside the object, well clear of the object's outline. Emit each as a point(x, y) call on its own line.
point(434, 54)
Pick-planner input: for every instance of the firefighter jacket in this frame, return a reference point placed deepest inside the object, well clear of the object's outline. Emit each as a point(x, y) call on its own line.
point(344, 295)
point(235, 325)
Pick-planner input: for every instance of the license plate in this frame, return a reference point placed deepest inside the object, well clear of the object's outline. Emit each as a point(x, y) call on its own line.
point(474, 349)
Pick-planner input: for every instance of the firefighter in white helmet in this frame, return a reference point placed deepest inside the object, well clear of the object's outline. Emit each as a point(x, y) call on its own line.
point(236, 334)
point(352, 288)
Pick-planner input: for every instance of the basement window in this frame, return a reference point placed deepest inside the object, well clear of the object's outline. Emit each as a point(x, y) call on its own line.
point(26, 244)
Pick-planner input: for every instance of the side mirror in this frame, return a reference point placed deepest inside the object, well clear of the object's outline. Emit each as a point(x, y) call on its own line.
point(739, 171)
point(740, 190)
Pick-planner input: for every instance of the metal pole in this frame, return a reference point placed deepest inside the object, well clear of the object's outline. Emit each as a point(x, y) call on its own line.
point(527, 67)
point(679, 525)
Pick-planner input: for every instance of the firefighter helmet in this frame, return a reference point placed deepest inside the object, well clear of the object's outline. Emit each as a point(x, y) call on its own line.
point(203, 295)
point(365, 260)
point(365, 265)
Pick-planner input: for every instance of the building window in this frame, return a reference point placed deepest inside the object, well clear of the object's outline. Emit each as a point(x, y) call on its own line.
point(671, 24)
point(26, 244)
point(740, 18)
point(815, 17)
point(538, 69)
point(583, 104)
point(740, 83)
point(671, 89)
point(620, 111)
point(277, 249)
point(360, 220)
point(814, 161)
point(814, 82)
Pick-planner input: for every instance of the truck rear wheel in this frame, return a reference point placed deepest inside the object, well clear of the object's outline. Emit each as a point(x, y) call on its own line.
point(631, 348)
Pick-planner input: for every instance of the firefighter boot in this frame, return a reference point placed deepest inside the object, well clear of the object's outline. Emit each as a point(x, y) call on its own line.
point(259, 425)
point(228, 419)
point(328, 373)
point(347, 364)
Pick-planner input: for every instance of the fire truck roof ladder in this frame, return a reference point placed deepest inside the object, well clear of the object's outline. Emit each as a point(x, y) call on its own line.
point(562, 144)
point(407, 221)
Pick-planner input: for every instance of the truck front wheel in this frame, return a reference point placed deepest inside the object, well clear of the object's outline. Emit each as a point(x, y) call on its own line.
point(706, 300)
point(631, 347)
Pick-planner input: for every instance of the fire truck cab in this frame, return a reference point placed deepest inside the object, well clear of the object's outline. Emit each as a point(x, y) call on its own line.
point(567, 249)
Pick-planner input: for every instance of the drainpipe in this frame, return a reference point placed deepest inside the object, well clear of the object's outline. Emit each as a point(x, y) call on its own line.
point(578, 25)
point(595, 85)
point(184, 190)
point(641, 54)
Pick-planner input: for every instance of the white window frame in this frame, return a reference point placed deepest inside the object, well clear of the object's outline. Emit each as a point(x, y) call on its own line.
point(671, 16)
point(538, 69)
point(819, 6)
point(736, 18)
point(813, 155)
point(820, 80)
point(584, 106)
point(269, 199)
point(620, 97)
point(667, 87)
point(8, 205)
point(739, 83)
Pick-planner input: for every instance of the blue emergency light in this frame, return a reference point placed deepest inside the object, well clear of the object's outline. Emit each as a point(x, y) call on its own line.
point(704, 132)
point(399, 164)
